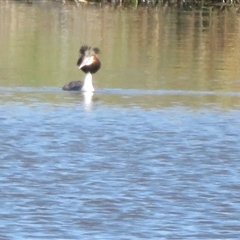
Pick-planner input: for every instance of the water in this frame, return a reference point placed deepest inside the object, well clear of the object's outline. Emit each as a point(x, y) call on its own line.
point(153, 154)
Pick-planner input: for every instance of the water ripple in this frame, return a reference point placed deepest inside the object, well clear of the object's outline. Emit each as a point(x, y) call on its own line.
point(122, 173)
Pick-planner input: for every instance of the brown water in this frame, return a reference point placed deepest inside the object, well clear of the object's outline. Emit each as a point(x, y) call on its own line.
point(154, 153)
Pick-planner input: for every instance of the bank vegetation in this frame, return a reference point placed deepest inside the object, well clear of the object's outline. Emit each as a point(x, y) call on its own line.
point(183, 4)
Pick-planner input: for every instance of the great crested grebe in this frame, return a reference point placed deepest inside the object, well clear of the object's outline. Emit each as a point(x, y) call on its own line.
point(89, 63)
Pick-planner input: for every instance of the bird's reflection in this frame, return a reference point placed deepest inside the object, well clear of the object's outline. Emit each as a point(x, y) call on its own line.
point(87, 100)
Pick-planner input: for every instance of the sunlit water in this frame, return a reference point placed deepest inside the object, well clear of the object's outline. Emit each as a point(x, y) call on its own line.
point(152, 154)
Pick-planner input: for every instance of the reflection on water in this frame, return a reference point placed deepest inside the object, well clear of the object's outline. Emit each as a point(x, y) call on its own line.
point(148, 99)
point(144, 48)
point(152, 154)
point(87, 100)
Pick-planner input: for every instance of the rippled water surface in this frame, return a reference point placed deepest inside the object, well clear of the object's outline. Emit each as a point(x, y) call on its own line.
point(152, 154)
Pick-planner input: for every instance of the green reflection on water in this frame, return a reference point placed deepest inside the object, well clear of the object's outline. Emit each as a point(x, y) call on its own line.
point(149, 49)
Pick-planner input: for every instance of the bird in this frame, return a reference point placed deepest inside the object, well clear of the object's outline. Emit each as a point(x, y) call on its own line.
point(89, 63)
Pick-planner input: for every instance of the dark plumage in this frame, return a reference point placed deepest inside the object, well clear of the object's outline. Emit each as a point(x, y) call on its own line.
point(89, 63)
point(73, 86)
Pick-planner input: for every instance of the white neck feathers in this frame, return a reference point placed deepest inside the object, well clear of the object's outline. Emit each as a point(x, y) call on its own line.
point(87, 83)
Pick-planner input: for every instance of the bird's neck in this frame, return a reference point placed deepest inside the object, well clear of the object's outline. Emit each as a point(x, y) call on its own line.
point(87, 83)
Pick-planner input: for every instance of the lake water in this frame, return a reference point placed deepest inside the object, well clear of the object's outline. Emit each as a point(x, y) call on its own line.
point(153, 154)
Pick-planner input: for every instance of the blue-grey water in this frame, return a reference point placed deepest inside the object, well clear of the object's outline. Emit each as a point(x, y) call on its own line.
point(117, 171)
point(153, 154)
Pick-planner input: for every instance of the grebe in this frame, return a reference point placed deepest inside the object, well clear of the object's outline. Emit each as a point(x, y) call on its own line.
point(89, 63)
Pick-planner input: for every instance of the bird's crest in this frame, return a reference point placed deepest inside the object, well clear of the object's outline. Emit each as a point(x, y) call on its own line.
point(86, 50)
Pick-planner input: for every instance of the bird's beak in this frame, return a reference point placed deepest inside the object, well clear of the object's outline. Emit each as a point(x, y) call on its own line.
point(81, 65)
